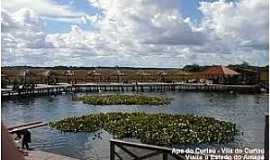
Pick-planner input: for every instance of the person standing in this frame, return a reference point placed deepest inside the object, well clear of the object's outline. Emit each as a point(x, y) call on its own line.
point(26, 139)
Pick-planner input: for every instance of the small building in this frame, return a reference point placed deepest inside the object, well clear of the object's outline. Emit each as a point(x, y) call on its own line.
point(117, 76)
point(143, 76)
point(247, 76)
point(70, 76)
point(162, 76)
point(220, 75)
point(26, 76)
point(48, 76)
point(264, 76)
point(94, 76)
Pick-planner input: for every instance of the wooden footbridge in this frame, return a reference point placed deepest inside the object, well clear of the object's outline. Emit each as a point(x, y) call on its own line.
point(152, 87)
point(42, 89)
point(26, 126)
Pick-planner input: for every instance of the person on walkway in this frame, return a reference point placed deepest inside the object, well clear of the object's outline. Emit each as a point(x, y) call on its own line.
point(26, 139)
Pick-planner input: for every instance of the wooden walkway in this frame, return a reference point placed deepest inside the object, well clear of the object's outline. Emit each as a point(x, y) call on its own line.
point(40, 89)
point(153, 87)
point(43, 89)
point(41, 155)
point(26, 126)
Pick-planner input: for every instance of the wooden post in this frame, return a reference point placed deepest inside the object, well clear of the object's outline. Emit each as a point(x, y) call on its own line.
point(266, 137)
point(142, 89)
point(165, 156)
point(112, 148)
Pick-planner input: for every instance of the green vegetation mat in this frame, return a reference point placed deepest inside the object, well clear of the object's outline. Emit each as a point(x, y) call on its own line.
point(157, 129)
point(124, 99)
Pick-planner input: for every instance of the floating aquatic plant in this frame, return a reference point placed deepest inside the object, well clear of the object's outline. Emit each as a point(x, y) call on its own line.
point(124, 99)
point(158, 129)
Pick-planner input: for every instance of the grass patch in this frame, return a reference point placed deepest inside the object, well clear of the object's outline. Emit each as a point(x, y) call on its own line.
point(124, 100)
point(157, 129)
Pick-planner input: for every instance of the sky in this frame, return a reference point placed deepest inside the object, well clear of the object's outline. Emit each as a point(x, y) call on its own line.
point(137, 33)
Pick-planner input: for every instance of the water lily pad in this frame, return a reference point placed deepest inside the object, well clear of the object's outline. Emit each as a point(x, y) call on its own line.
point(158, 129)
point(124, 100)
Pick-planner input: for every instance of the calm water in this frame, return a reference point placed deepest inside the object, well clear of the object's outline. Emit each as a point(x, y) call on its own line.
point(247, 111)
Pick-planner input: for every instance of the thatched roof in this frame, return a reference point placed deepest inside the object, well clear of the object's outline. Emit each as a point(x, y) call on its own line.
point(69, 73)
point(94, 73)
point(10, 73)
point(117, 73)
point(219, 71)
point(179, 72)
point(143, 73)
point(162, 73)
point(245, 70)
point(48, 73)
point(24, 73)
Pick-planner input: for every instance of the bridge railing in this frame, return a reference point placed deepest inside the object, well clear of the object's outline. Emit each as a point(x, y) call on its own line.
point(128, 148)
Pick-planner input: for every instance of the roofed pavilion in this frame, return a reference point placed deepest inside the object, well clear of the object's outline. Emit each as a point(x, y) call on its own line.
point(219, 73)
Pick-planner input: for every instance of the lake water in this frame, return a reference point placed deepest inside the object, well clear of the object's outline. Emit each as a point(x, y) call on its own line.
point(247, 111)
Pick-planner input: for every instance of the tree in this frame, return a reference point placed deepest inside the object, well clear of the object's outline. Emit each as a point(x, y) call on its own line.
point(244, 64)
point(192, 68)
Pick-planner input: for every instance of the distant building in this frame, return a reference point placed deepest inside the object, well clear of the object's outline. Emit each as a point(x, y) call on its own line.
point(264, 75)
point(220, 74)
point(247, 76)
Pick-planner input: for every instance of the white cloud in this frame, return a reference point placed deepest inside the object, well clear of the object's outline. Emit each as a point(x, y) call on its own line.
point(157, 22)
point(144, 33)
point(244, 23)
point(46, 9)
point(22, 29)
point(129, 27)
point(42, 7)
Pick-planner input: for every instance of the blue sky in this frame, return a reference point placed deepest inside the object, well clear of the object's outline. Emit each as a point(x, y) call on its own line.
point(188, 8)
point(150, 33)
point(54, 26)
